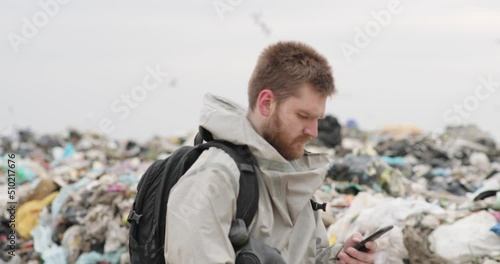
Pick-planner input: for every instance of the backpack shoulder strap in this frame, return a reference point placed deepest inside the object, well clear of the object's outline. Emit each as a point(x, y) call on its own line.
point(248, 198)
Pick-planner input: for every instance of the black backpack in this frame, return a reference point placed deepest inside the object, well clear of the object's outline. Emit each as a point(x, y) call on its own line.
point(147, 216)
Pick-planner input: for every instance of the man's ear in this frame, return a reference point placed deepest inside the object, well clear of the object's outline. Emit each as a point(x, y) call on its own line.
point(265, 102)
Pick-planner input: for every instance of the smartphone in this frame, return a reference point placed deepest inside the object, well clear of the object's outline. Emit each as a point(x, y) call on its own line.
point(372, 237)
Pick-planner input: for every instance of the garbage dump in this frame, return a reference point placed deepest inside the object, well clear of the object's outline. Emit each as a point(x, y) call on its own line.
point(440, 191)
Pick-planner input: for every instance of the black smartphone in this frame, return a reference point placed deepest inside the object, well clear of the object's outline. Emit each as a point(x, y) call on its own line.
point(372, 237)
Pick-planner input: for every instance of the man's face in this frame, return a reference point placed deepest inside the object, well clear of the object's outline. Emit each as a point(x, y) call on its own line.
point(294, 122)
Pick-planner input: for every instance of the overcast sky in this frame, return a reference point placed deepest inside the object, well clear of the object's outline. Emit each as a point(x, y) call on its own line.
point(72, 64)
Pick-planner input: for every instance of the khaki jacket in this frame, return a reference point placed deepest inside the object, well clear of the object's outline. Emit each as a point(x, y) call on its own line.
point(203, 203)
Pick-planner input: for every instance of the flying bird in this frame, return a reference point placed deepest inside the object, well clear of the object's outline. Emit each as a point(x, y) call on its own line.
point(257, 19)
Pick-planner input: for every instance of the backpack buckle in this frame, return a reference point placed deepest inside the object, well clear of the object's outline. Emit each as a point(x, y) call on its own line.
point(317, 206)
point(133, 216)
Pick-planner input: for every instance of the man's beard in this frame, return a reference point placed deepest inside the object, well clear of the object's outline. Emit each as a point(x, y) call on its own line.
point(277, 136)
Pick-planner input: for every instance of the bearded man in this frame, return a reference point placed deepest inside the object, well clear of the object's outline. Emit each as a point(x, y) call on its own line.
point(287, 95)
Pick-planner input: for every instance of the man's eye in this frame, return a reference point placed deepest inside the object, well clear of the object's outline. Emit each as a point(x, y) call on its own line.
point(303, 116)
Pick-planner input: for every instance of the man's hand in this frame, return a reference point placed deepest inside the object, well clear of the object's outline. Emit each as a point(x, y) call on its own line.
point(349, 255)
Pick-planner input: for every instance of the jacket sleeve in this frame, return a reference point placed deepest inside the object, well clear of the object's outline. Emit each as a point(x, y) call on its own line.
point(200, 209)
point(324, 252)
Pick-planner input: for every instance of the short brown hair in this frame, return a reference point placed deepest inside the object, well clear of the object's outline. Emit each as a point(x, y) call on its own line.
point(284, 66)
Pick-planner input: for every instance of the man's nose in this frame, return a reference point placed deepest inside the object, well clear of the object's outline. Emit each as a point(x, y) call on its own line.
point(312, 129)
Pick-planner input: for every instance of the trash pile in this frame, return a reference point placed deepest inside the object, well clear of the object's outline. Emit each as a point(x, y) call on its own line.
point(440, 191)
point(73, 193)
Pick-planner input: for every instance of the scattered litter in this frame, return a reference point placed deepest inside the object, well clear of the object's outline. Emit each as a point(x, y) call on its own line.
point(440, 191)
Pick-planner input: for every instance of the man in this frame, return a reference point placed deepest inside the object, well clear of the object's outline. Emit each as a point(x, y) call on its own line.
point(287, 95)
